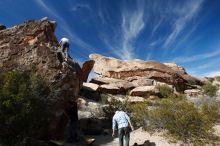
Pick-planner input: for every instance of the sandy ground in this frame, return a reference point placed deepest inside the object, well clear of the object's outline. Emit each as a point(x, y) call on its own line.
point(139, 136)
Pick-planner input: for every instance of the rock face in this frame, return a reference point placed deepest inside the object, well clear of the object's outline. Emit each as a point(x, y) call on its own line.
point(175, 67)
point(150, 70)
point(86, 69)
point(33, 45)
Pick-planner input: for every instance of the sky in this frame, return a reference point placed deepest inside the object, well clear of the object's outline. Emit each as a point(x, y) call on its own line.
point(183, 31)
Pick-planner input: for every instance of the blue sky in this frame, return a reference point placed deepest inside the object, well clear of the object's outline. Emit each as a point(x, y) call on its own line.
point(183, 31)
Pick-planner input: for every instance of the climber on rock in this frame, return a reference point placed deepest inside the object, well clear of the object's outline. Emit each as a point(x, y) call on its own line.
point(64, 44)
point(64, 57)
point(64, 50)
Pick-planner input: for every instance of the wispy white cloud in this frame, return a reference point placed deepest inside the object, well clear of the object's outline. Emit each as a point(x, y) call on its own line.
point(157, 26)
point(196, 57)
point(212, 63)
point(101, 16)
point(66, 28)
point(212, 73)
point(206, 69)
point(185, 38)
point(149, 56)
point(184, 15)
point(153, 43)
point(132, 24)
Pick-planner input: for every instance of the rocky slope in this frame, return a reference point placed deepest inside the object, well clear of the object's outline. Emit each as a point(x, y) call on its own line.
point(33, 46)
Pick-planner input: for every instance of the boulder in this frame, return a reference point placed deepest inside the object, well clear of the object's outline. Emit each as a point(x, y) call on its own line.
point(109, 89)
point(33, 46)
point(90, 91)
point(125, 98)
point(86, 69)
point(90, 86)
point(106, 82)
point(193, 92)
point(144, 91)
point(119, 69)
point(217, 78)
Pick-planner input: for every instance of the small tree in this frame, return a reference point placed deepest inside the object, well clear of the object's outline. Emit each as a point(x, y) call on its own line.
point(209, 89)
point(23, 107)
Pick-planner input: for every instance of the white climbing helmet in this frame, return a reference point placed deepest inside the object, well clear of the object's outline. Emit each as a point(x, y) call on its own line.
point(64, 40)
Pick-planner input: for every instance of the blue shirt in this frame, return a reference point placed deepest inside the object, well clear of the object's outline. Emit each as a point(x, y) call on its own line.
point(121, 118)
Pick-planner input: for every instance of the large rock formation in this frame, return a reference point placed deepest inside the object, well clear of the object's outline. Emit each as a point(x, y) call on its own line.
point(139, 71)
point(33, 45)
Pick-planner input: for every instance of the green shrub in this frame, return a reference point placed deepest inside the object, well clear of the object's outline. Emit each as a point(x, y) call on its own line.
point(113, 105)
point(192, 82)
point(23, 107)
point(211, 110)
point(139, 114)
point(209, 89)
point(180, 118)
point(165, 91)
point(183, 120)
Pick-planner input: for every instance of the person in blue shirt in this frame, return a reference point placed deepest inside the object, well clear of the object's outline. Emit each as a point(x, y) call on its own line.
point(121, 121)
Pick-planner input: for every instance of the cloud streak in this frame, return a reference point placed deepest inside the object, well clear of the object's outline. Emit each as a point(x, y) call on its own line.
point(197, 57)
point(184, 16)
point(212, 73)
point(132, 24)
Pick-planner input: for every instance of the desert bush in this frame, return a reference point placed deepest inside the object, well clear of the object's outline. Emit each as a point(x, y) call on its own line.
point(183, 120)
point(180, 118)
point(23, 107)
point(113, 105)
point(211, 110)
point(209, 89)
point(192, 82)
point(165, 91)
point(139, 114)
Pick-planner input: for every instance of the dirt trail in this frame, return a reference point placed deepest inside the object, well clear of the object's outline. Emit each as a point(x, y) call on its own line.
point(138, 136)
